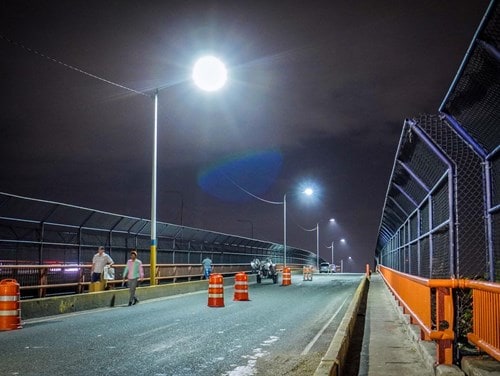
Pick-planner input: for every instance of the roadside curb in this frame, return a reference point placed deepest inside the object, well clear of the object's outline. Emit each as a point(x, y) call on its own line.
point(333, 361)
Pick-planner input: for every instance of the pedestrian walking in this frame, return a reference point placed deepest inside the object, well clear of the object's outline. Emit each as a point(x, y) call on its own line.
point(207, 267)
point(134, 273)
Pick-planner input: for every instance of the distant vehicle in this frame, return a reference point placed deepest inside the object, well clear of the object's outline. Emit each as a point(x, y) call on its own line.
point(324, 267)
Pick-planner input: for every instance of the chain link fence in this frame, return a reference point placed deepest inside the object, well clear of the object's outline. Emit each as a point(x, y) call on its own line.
point(441, 217)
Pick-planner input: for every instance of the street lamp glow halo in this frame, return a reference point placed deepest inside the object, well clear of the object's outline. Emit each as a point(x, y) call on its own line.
point(209, 73)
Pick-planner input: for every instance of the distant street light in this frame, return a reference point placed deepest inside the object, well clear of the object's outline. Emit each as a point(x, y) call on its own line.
point(308, 192)
point(331, 220)
point(209, 74)
point(342, 263)
point(332, 247)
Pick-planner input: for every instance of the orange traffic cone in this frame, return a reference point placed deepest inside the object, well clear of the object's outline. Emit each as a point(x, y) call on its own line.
point(10, 307)
point(216, 290)
point(241, 287)
point(287, 277)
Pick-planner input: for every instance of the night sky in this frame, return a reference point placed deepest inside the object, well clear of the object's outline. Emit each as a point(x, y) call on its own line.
point(317, 94)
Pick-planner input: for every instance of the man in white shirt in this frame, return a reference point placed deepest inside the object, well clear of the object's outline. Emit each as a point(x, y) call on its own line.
point(99, 261)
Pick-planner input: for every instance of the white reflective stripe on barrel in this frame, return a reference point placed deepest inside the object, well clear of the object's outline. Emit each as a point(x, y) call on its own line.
point(9, 298)
point(215, 295)
point(215, 286)
point(242, 283)
point(10, 313)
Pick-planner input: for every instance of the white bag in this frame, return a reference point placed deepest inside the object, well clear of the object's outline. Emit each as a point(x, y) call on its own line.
point(109, 273)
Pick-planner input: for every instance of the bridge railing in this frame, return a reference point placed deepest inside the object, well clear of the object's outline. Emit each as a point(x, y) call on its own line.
point(436, 318)
point(39, 281)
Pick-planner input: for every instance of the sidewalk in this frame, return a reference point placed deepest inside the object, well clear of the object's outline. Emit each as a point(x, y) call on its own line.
point(388, 348)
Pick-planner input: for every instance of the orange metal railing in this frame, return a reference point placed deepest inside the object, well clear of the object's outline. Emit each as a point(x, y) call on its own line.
point(437, 323)
point(486, 316)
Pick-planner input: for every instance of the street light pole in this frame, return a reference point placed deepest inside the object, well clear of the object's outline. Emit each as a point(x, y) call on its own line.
point(209, 74)
point(152, 260)
point(317, 246)
point(284, 230)
point(333, 259)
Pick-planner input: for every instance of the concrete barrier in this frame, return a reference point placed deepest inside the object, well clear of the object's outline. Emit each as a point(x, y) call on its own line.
point(333, 361)
point(56, 305)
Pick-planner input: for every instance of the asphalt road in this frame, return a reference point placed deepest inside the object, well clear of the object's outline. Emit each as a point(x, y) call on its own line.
point(281, 330)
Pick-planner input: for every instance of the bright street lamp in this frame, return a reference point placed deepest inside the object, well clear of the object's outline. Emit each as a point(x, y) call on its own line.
point(209, 74)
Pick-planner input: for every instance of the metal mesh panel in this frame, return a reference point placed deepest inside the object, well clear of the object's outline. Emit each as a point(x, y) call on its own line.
point(424, 219)
point(58, 234)
point(406, 255)
point(403, 202)
point(495, 182)
point(440, 206)
point(496, 245)
point(423, 162)
point(425, 262)
point(414, 259)
point(413, 227)
point(441, 255)
point(403, 179)
point(474, 102)
point(470, 225)
point(495, 217)
point(491, 31)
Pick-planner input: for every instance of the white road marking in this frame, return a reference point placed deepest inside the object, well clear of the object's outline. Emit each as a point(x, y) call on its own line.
point(311, 344)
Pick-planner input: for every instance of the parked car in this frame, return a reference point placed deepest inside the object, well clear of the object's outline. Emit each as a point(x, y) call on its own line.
point(324, 267)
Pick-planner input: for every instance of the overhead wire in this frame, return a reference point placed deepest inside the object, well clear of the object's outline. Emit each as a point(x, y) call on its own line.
point(250, 193)
point(69, 66)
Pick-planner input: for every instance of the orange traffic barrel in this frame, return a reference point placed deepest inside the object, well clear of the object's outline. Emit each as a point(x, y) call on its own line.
point(10, 306)
point(216, 290)
point(241, 287)
point(287, 277)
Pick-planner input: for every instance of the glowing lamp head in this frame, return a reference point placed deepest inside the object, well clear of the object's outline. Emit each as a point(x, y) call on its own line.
point(209, 73)
point(308, 191)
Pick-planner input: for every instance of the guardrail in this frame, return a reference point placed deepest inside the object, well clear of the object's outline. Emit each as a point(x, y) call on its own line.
point(437, 321)
point(39, 281)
